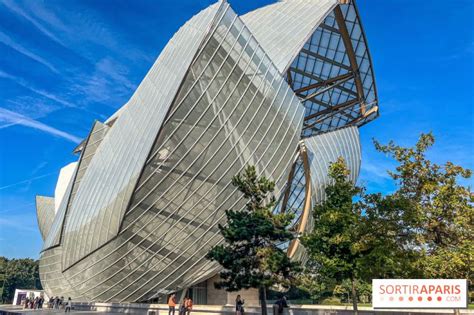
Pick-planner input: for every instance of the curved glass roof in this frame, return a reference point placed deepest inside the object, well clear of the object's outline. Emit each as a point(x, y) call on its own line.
point(331, 71)
point(333, 74)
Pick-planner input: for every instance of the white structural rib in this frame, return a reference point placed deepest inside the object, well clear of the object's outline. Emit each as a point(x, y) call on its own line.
point(45, 214)
point(65, 176)
point(284, 27)
point(53, 237)
point(107, 185)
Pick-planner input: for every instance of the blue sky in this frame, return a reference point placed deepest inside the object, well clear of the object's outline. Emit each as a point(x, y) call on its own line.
point(64, 64)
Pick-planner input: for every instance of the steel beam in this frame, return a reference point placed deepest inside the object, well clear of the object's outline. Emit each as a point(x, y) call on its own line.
point(335, 108)
point(326, 59)
point(331, 86)
point(291, 175)
point(329, 28)
point(334, 113)
point(325, 82)
point(312, 76)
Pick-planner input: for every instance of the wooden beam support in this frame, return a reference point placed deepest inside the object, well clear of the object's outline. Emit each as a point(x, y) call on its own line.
point(289, 78)
point(374, 109)
point(307, 201)
point(341, 23)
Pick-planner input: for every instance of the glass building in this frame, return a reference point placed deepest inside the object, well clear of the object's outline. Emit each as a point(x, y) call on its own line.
point(284, 88)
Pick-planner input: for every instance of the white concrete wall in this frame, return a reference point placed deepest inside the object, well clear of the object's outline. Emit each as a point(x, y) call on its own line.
point(65, 176)
point(29, 293)
point(222, 297)
point(162, 309)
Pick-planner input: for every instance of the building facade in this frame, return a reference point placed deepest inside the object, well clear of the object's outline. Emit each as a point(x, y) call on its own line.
point(284, 88)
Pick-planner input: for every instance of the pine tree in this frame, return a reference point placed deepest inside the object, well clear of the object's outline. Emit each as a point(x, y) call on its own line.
point(251, 256)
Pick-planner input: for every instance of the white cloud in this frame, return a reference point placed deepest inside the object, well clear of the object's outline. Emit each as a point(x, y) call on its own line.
point(10, 117)
point(106, 84)
point(374, 169)
point(34, 106)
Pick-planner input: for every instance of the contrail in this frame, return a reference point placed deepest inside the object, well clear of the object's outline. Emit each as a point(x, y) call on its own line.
point(17, 119)
point(27, 180)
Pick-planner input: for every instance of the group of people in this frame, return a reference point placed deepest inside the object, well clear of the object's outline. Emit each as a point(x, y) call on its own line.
point(187, 305)
point(34, 304)
point(54, 303)
point(184, 308)
point(58, 303)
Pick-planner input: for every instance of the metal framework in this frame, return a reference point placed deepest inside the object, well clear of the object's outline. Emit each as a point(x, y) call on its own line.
point(331, 74)
point(142, 207)
point(308, 177)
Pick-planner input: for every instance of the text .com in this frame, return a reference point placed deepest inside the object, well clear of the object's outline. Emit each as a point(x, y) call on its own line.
point(419, 293)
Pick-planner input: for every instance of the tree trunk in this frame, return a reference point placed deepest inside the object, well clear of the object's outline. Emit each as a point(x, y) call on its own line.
point(354, 296)
point(263, 299)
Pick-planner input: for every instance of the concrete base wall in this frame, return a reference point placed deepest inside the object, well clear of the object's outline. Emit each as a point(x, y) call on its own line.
point(162, 309)
point(221, 297)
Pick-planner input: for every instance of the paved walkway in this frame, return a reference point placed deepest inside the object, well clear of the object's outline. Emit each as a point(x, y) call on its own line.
point(13, 309)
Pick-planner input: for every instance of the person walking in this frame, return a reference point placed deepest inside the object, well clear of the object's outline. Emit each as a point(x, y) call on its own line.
point(280, 305)
point(239, 305)
point(182, 307)
point(172, 304)
point(67, 309)
point(189, 306)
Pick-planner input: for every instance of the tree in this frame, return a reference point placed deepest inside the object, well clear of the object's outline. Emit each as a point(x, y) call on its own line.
point(389, 236)
point(251, 256)
point(336, 243)
point(440, 209)
point(410, 233)
point(18, 273)
point(315, 284)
